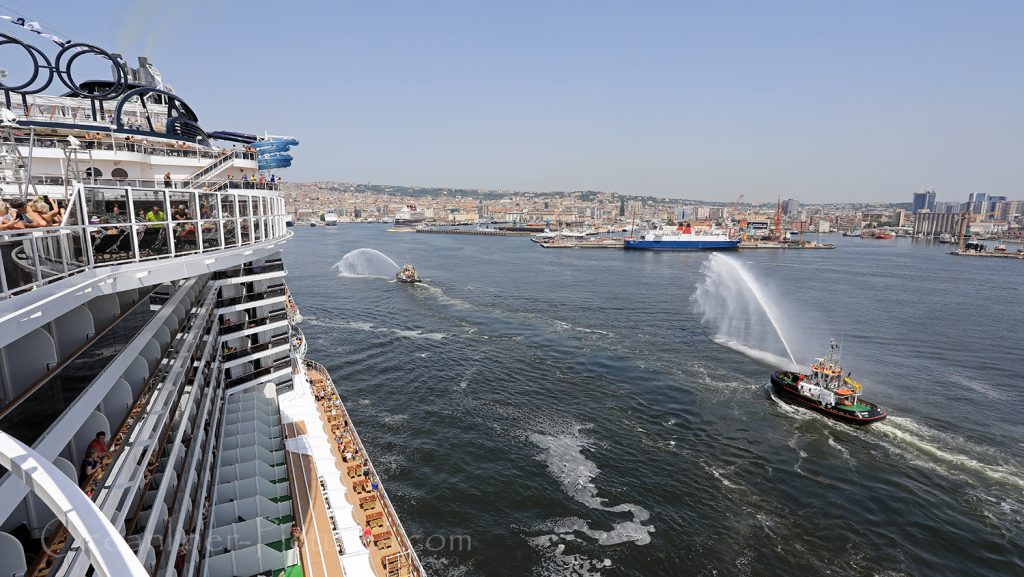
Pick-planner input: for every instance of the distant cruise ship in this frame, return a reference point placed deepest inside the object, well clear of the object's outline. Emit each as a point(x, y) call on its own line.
point(143, 296)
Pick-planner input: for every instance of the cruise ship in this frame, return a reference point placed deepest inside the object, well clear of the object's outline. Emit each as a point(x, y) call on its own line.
point(409, 216)
point(158, 413)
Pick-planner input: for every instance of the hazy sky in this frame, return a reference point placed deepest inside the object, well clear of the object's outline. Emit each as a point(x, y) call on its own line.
point(821, 101)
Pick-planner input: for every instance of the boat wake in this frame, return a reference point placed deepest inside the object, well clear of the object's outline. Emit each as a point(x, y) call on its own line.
point(364, 326)
point(947, 454)
point(994, 480)
point(366, 262)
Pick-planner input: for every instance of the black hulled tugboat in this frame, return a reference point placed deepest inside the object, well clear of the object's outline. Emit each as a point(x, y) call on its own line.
point(407, 275)
point(827, 391)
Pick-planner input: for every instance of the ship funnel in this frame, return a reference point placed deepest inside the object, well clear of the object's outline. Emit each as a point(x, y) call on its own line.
point(144, 75)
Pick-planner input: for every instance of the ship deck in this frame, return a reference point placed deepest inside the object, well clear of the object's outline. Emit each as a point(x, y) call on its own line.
point(310, 511)
point(335, 497)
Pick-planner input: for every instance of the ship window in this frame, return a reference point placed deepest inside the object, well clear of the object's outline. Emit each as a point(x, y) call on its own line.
point(92, 172)
point(119, 173)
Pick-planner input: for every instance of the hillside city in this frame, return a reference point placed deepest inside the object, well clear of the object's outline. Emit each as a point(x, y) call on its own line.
point(989, 215)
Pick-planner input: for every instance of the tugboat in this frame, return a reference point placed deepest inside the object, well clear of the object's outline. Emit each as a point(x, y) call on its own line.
point(407, 275)
point(827, 391)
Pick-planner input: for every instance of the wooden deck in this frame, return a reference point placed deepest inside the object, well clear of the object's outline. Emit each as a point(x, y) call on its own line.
point(387, 544)
point(319, 550)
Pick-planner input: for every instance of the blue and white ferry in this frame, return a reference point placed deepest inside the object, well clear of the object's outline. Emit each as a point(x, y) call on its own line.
point(682, 238)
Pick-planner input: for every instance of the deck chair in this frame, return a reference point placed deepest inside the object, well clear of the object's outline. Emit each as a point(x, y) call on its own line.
point(151, 239)
point(104, 245)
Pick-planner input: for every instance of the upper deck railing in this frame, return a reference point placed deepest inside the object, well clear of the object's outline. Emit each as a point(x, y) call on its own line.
point(105, 226)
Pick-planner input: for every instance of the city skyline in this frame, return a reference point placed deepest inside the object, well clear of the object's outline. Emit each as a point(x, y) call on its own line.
point(865, 103)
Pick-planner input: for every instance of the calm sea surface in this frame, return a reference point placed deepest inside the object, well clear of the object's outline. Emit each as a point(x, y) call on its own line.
point(573, 412)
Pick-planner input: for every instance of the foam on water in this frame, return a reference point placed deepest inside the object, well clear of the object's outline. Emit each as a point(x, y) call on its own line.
point(563, 455)
point(366, 262)
point(365, 326)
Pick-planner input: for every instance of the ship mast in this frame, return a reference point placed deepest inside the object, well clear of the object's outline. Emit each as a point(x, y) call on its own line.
point(777, 222)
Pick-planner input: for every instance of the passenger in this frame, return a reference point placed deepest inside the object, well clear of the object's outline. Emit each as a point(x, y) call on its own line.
point(156, 214)
point(89, 466)
point(296, 536)
point(99, 444)
point(26, 216)
point(8, 217)
point(168, 183)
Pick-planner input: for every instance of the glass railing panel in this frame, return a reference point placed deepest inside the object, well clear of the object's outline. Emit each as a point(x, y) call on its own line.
point(186, 236)
point(112, 242)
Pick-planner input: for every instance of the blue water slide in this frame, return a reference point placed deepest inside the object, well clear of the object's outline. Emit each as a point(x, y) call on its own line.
point(276, 160)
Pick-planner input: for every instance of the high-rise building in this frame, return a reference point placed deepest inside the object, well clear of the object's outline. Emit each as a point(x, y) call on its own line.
point(977, 203)
point(924, 201)
point(790, 206)
point(992, 202)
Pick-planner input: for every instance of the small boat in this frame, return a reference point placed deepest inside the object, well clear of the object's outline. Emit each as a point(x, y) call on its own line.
point(407, 275)
point(827, 391)
point(999, 248)
point(883, 235)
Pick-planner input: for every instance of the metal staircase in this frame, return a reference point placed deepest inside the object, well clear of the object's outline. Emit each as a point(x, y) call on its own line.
point(13, 168)
point(204, 174)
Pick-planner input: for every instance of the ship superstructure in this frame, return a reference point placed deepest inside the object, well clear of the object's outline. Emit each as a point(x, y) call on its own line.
point(152, 306)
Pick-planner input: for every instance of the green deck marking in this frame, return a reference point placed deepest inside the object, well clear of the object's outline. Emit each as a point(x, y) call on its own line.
point(284, 520)
point(293, 571)
point(281, 499)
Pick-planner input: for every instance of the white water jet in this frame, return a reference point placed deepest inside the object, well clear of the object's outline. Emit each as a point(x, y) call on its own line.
point(737, 307)
point(366, 262)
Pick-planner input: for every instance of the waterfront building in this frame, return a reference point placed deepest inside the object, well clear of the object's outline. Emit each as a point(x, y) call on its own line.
point(932, 224)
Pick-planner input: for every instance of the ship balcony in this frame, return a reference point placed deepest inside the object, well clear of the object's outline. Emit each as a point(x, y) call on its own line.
point(272, 373)
point(231, 329)
point(251, 300)
point(244, 274)
point(258, 352)
point(116, 239)
point(236, 355)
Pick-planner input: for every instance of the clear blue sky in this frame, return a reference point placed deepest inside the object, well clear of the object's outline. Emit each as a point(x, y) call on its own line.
point(821, 101)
